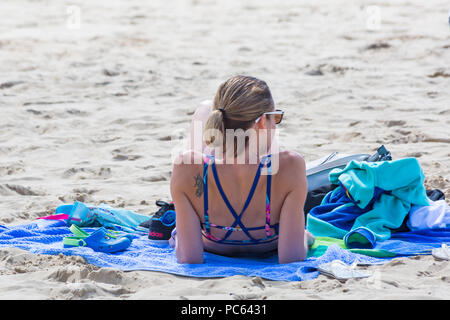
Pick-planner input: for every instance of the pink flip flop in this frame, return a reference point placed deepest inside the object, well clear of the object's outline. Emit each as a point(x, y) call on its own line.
point(60, 216)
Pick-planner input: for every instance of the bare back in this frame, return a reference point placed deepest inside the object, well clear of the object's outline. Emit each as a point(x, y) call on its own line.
point(236, 181)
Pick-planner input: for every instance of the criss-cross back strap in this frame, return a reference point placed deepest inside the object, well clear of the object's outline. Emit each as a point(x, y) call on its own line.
point(237, 217)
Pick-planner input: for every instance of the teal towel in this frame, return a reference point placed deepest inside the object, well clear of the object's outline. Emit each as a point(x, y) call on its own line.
point(402, 179)
point(85, 215)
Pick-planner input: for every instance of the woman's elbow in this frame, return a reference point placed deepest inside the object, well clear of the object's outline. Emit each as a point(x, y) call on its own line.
point(293, 257)
point(189, 258)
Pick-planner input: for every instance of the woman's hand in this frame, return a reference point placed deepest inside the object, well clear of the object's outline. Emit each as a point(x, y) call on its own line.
point(309, 238)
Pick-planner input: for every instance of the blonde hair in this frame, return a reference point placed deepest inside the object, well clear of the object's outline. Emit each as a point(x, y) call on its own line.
point(239, 101)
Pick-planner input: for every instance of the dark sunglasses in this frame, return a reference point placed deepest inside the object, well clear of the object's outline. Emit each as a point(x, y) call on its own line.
point(278, 115)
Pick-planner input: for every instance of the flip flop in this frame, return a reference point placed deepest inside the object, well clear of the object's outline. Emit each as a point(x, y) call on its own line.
point(78, 232)
point(98, 240)
point(59, 216)
point(360, 238)
point(442, 253)
point(342, 271)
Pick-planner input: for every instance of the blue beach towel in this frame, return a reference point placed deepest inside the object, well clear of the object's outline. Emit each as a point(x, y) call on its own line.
point(45, 237)
point(415, 242)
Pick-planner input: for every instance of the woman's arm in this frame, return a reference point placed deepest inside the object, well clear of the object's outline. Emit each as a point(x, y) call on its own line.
point(198, 122)
point(189, 245)
point(292, 240)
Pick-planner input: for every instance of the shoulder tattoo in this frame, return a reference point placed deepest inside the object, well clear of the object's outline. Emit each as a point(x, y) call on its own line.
point(198, 185)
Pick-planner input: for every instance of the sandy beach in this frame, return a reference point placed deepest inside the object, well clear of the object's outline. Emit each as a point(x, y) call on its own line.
point(94, 96)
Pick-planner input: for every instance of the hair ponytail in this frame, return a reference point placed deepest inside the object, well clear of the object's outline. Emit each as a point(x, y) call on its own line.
point(214, 132)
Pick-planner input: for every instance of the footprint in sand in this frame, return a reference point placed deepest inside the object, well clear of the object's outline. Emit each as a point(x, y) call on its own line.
point(121, 154)
point(377, 46)
point(439, 73)
point(76, 196)
point(155, 178)
point(11, 189)
point(88, 173)
point(107, 275)
point(394, 123)
point(122, 157)
point(69, 273)
point(10, 84)
point(439, 182)
point(11, 169)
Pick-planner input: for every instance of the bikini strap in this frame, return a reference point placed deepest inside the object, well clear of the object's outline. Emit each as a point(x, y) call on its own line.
point(205, 192)
point(268, 162)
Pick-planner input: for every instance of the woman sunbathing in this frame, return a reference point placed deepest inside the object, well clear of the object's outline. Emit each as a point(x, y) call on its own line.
point(248, 197)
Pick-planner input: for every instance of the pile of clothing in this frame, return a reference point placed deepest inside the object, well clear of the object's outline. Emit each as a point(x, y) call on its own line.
point(368, 201)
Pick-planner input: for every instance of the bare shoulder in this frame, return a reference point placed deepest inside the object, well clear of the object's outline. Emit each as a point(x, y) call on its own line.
point(292, 166)
point(185, 166)
point(291, 158)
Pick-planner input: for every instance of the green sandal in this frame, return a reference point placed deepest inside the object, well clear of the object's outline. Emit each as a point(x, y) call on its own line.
point(78, 232)
point(99, 240)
